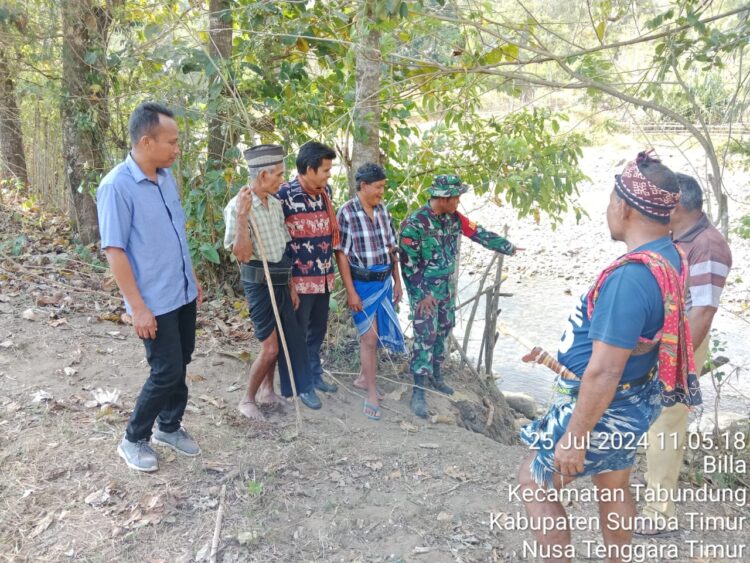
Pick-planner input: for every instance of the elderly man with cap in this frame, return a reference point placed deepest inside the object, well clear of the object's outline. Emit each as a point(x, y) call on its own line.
point(266, 171)
point(366, 256)
point(611, 390)
point(428, 250)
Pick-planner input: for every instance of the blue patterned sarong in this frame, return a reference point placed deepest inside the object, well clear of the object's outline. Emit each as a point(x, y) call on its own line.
point(377, 303)
point(614, 439)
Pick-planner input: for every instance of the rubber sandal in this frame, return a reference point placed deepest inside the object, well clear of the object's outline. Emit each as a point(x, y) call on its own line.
point(373, 409)
point(651, 531)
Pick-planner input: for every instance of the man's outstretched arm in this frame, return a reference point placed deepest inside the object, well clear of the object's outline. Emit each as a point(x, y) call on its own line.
point(487, 239)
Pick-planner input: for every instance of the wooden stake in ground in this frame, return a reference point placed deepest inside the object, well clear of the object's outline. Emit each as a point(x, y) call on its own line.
point(217, 528)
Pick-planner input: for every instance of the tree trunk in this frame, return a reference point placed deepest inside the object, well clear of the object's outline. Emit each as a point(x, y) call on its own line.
point(12, 156)
point(84, 108)
point(220, 135)
point(366, 114)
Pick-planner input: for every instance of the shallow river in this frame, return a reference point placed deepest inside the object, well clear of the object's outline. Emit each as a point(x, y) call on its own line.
point(537, 312)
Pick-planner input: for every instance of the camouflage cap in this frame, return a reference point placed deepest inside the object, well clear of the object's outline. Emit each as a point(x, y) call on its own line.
point(447, 185)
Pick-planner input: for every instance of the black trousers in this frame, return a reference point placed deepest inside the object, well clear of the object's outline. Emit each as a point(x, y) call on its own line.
point(312, 316)
point(165, 393)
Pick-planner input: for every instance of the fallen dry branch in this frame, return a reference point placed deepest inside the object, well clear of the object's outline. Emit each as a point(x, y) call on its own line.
point(217, 528)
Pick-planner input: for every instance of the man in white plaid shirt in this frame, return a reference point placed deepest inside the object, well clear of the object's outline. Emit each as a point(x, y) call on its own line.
point(366, 256)
point(266, 167)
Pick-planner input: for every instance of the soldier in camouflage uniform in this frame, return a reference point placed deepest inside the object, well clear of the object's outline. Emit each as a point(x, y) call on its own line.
point(428, 249)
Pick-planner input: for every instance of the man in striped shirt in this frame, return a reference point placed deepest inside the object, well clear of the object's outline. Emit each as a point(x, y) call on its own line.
point(709, 260)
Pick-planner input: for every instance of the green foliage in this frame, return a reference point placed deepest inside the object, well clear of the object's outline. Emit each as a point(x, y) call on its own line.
point(693, 59)
point(291, 77)
point(85, 255)
point(707, 97)
point(743, 229)
point(14, 246)
point(740, 148)
point(520, 159)
point(717, 346)
point(255, 488)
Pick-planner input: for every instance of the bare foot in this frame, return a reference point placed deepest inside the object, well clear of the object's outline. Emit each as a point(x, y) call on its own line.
point(250, 410)
point(360, 384)
point(273, 400)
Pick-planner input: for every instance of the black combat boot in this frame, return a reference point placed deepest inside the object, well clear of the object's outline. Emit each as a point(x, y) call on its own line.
point(418, 404)
point(437, 381)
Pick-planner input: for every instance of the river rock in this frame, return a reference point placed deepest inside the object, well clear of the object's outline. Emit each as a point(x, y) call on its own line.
point(521, 422)
point(522, 403)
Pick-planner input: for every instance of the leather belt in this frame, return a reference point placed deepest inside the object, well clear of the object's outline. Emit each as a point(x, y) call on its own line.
point(252, 272)
point(363, 274)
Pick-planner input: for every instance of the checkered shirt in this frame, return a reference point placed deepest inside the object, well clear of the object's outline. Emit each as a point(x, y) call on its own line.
point(365, 241)
point(270, 221)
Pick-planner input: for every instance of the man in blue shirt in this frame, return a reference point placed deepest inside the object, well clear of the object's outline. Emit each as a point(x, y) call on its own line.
point(632, 316)
point(142, 228)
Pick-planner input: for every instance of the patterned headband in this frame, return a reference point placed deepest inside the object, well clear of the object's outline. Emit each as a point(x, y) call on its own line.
point(639, 192)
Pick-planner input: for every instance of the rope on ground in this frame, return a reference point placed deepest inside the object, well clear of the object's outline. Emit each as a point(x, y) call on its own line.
point(361, 396)
point(393, 365)
point(404, 383)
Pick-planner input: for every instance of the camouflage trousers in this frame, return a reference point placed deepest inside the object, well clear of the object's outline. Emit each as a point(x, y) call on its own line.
point(430, 333)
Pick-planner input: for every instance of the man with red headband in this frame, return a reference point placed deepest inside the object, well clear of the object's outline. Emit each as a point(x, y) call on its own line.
point(632, 317)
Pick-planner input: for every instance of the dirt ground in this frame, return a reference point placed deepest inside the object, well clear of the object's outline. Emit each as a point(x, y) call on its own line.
point(339, 488)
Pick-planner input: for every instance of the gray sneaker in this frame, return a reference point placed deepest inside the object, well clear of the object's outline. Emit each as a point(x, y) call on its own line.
point(179, 440)
point(138, 455)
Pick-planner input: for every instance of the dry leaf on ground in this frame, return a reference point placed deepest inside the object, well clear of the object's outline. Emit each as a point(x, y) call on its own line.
point(408, 426)
point(217, 402)
point(243, 356)
point(42, 525)
point(396, 394)
point(455, 472)
point(55, 299)
point(29, 315)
